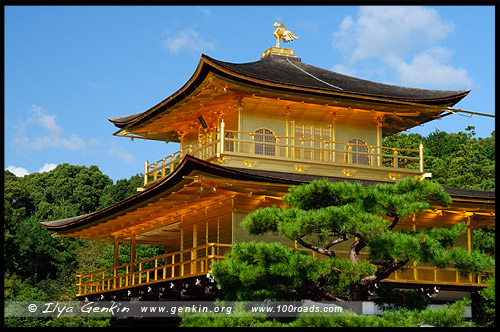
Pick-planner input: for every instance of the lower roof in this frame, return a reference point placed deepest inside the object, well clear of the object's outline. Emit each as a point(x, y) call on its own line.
point(190, 164)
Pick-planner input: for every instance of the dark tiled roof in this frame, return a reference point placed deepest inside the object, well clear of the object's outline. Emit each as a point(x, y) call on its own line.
point(296, 73)
point(293, 74)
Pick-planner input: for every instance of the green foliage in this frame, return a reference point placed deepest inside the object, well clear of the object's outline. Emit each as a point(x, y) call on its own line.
point(78, 322)
point(450, 316)
point(486, 309)
point(39, 267)
point(259, 271)
point(457, 160)
point(484, 240)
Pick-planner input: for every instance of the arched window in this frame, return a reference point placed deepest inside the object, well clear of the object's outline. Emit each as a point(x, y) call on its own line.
point(357, 145)
point(229, 145)
point(268, 148)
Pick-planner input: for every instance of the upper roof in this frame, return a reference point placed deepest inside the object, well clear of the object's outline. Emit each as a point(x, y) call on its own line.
point(286, 74)
point(294, 72)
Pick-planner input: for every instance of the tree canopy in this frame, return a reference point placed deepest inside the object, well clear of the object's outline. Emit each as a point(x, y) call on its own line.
point(457, 160)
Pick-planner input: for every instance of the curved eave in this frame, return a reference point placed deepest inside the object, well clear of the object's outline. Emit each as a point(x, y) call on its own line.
point(208, 65)
point(191, 164)
point(186, 167)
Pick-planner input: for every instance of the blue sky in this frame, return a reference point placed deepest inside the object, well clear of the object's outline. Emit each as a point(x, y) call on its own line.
point(69, 68)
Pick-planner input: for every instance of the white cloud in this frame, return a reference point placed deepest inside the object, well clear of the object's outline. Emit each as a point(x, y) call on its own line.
point(44, 120)
point(382, 31)
point(18, 171)
point(432, 66)
point(187, 39)
point(406, 39)
point(122, 155)
point(40, 118)
point(47, 167)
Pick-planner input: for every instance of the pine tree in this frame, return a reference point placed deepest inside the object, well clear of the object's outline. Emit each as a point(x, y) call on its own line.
point(322, 215)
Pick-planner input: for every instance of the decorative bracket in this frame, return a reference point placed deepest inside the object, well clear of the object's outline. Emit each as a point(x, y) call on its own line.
point(301, 168)
point(349, 172)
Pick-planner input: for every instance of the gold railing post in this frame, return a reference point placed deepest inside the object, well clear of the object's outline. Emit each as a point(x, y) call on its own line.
point(146, 167)
point(222, 135)
point(156, 269)
point(421, 156)
point(79, 284)
point(172, 270)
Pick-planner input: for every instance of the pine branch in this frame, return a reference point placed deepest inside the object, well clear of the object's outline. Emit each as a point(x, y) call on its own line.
point(382, 273)
point(356, 248)
point(337, 241)
point(329, 253)
point(394, 222)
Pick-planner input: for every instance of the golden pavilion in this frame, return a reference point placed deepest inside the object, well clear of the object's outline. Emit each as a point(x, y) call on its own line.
point(247, 132)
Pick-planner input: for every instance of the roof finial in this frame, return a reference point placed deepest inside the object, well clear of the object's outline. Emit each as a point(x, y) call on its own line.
point(281, 33)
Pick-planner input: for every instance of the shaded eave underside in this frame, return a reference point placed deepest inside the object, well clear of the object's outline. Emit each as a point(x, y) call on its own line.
point(190, 164)
point(262, 77)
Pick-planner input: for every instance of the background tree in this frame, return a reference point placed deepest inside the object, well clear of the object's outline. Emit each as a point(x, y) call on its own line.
point(457, 160)
point(39, 267)
point(320, 216)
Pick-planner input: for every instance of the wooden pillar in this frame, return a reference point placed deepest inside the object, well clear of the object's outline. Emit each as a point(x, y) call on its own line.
point(115, 260)
point(469, 232)
point(469, 238)
point(193, 251)
point(379, 121)
point(334, 115)
point(421, 157)
point(222, 136)
point(239, 135)
point(132, 257)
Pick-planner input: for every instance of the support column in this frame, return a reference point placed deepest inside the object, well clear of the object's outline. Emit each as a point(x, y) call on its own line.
point(115, 260)
point(469, 238)
point(132, 257)
point(222, 136)
point(287, 131)
point(334, 115)
point(193, 251)
point(469, 232)
point(379, 120)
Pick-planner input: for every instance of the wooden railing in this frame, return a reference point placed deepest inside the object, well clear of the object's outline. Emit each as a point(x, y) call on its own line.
point(171, 266)
point(175, 265)
point(304, 150)
point(423, 273)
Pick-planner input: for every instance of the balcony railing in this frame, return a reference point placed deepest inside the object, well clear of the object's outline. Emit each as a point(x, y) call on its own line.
point(197, 261)
point(171, 266)
point(303, 150)
point(419, 273)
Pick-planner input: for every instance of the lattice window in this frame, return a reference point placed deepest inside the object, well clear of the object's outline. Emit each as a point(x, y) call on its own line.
point(357, 145)
point(268, 148)
point(229, 145)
